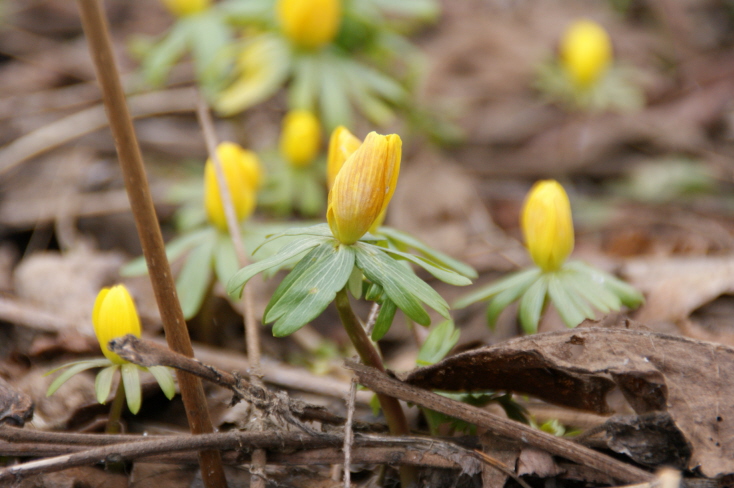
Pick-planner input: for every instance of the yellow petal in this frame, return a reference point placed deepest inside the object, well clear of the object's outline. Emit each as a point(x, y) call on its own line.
point(114, 316)
point(363, 188)
point(341, 145)
point(182, 8)
point(300, 138)
point(309, 24)
point(586, 52)
point(242, 172)
point(547, 225)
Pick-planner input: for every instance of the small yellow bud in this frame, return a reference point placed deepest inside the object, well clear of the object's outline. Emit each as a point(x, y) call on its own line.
point(181, 8)
point(341, 145)
point(586, 52)
point(547, 225)
point(114, 316)
point(309, 24)
point(242, 173)
point(363, 187)
point(300, 138)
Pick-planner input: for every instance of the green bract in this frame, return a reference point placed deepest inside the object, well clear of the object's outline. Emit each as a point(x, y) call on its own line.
point(130, 377)
point(576, 289)
point(328, 266)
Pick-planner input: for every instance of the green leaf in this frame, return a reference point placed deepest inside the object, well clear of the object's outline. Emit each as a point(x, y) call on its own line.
point(444, 260)
point(355, 282)
point(629, 296)
point(210, 35)
point(400, 284)
point(226, 263)
point(165, 380)
point(443, 274)
point(240, 279)
point(374, 292)
point(504, 298)
point(161, 58)
point(175, 248)
point(531, 304)
point(319, 230)
point(334, 102)
point(496, 287)
point(131, 380)
point(74, 368)
point(103, 383)
point(567, 307)
point(438, 343)
point(384, 319)
point(594, 293)
point(304, 89)
point(309, 288)
point(195, 278)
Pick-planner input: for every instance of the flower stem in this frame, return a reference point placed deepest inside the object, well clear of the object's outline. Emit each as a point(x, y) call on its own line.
point(113, 420)
point(394, 415)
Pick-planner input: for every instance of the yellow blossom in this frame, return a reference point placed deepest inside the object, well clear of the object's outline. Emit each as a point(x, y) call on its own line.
point(586, 52)
point(242, 172)
point(363, 187)
point(547, 225)
point(114, 316)
point(300, 138)
point(181, 8)
point(309, 24)
point(341, 145)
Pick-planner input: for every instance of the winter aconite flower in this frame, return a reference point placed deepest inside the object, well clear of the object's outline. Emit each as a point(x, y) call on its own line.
point(574, 288)
point(181, 8)
point(300, 138)
point(114, 316)
point(242, 172)
point(586, 52)
point(341, 145)
point(309, 24)
point(363, 187)
point(547, 225)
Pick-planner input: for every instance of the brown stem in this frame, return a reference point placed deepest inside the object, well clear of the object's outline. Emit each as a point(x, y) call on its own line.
point(146, 221)
point(394, 414)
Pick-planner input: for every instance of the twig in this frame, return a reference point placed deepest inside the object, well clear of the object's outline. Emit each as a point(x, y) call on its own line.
point(252, 333)
point(136, 184)
point(147, 353)
point(89, 120)
point(497, 464)
point(379, 382)
point(348, 435)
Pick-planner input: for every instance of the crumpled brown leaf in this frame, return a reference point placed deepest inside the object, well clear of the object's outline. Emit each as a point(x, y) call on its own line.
point(692, 380)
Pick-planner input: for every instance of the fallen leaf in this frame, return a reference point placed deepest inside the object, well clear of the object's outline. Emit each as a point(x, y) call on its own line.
point(691, 380)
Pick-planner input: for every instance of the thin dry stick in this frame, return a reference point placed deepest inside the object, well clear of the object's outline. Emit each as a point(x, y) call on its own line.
point(251, 327)
point(146, 221)
point(379, 382)
point(348, 435)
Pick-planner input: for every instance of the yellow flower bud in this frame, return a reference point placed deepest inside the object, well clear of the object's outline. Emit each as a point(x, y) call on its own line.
point(547, 225)
point(586, 52)
point(309, 24)
point(341, 145)
point(364, 186)
point(300, 138)
point(181, 8)
point(242, 172)
point(114, 316)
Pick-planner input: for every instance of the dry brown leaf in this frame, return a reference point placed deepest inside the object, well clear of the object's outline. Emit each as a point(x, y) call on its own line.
point(692, 380)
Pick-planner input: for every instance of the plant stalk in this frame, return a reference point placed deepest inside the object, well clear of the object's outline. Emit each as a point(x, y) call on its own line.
point(396, 421)
point(113, 419)
point(146, 221)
